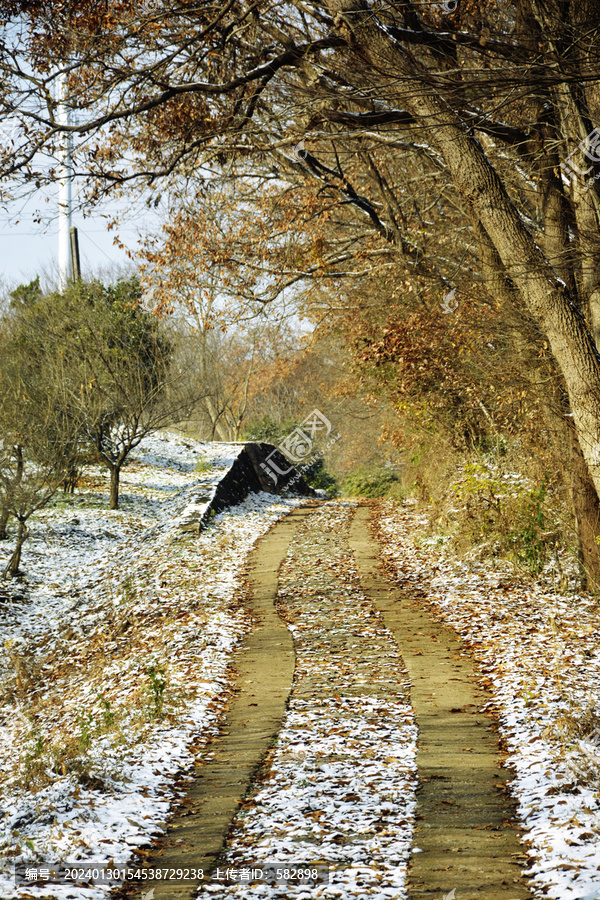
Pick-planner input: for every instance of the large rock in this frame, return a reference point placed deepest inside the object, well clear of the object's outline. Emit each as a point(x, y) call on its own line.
point(257, 467)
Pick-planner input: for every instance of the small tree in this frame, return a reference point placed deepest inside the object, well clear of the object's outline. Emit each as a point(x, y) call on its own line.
point(38, 435)
point(112, 362)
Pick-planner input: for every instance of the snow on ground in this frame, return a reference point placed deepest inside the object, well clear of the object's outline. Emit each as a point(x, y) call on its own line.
point(340, 789)
point(540, 654)
point(115, 667)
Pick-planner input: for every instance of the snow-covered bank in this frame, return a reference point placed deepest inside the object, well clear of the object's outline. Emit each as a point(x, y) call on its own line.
point(115, 659)
point(539, 654)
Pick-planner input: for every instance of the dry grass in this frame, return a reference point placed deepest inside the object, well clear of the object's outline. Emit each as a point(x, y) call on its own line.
point(94, 690)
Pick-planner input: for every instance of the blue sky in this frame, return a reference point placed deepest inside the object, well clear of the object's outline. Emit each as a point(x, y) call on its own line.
point(25, 251)
point(28, 249)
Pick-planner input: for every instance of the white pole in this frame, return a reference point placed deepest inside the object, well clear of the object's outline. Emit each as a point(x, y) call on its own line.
point(64, 187)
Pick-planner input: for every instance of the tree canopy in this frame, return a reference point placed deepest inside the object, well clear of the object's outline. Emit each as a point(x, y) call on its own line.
point(419, 147)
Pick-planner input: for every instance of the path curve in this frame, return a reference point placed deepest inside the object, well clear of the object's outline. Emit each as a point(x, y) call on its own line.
point(465, 828)
point(464, 822)
point(265, 667)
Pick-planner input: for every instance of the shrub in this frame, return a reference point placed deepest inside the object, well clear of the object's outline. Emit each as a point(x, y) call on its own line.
point(268, 430)
point(373, 481)
point(156, 690)
point(505, 511)
point(317, 476)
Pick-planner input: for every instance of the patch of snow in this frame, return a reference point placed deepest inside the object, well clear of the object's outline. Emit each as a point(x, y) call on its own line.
point(93, 754)
point(538, 654)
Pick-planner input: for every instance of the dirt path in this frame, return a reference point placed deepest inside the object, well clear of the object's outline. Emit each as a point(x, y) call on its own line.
point(463, 823)
point(337, 787)
point(265, 667)
point(338, 792)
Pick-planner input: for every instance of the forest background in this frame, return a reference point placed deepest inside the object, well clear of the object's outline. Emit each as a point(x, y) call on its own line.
point(388, 211)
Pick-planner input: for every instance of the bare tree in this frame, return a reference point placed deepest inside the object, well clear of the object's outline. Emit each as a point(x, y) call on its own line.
point(39, 436)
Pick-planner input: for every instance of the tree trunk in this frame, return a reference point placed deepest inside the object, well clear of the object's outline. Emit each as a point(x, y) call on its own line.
point(115, 475)
point(582, 494)
point(4, 515)
point(587, 517)
point(70, 480)
point(547, 298)
point(12, 567)
point(215, 418)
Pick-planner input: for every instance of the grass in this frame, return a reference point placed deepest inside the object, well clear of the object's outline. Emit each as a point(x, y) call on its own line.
point(120, 667)
point(203, 467)
point(69, 742)
point(83, 500)
point(373, 481)
point(153, 692)
point(74, 748)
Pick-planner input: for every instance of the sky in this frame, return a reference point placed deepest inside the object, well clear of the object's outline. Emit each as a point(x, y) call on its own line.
point(28, 249)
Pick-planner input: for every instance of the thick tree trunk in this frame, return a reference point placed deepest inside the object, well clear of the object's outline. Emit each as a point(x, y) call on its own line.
point(544, 295)
point(4, 516)
point(547, 384)
point(587, 517)
point(115, 475)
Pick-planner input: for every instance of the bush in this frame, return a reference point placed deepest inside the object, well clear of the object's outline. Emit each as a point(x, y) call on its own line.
point(505, 511)
point(370, 481)
point(268, 430)
point(317, 476)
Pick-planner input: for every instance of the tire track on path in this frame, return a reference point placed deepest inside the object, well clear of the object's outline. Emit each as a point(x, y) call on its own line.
point(265, 667)
point(464, 825)
point(338, 789)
